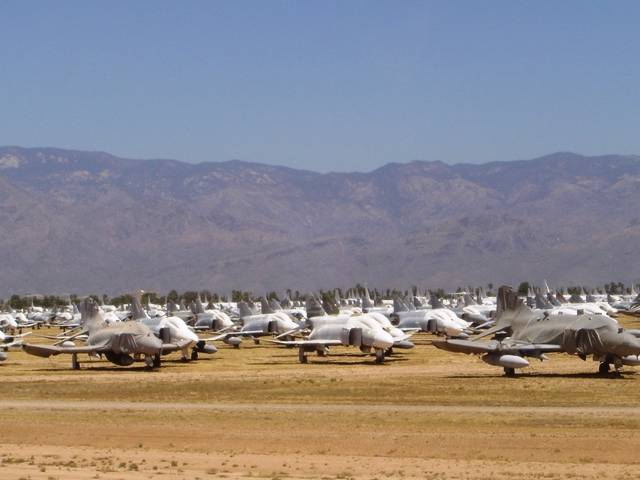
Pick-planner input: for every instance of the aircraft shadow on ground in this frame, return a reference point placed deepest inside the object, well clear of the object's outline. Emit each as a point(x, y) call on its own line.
point(103, 366)
point(592, 375)
point(332, 360)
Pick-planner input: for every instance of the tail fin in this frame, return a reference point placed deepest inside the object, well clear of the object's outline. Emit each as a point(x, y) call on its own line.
point(137, 312)
point(468, 301)
point(511, 312)
point(199, 307)
point(287, 303)
point(575, 298)
point(265, 307)
point(435, 302)
point(171, 307)
point(314, 307)
point(408, 302)
point(507, 301)
point(366, 301)
point(635, 303)
point(90, 317)
point(416, 302)
point(399, 306)
point(275, 305)
point(542, 302)
point(244, 309)
point(551, 298)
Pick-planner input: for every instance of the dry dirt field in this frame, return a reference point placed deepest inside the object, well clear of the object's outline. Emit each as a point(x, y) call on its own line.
point(256, 413)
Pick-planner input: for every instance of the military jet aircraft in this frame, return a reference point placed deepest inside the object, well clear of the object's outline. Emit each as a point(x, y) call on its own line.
point(120, 342)
point(171, 329)
point(521, 333)
point(331, 330)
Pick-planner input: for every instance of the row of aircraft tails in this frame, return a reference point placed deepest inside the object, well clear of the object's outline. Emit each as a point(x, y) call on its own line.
point(506, 330)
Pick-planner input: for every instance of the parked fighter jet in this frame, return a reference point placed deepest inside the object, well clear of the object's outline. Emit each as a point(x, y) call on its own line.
point(438, 320)
point(171, 330)
point(119, 342)
point(332, 330)
point(266, 323)
point(9, 341)
point(216, 320)
point(522, 333)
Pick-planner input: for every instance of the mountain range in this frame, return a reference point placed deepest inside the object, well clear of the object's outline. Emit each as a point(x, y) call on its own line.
point(82, 222)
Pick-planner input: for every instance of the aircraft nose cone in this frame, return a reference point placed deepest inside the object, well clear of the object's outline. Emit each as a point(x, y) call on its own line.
point(383, 340)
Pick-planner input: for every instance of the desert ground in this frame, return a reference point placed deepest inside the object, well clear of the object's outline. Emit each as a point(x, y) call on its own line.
point(256, 412)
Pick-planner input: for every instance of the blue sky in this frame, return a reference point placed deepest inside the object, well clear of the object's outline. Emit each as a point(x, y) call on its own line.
point(323, 85)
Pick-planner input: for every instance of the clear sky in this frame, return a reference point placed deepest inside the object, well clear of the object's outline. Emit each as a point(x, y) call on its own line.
point(323, 85)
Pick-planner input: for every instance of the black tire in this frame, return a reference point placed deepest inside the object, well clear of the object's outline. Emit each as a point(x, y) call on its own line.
point(194, 354)
point(509, 372)
point(302, 357)
point(256, 341)
point(75, 364)
point(156, 361)
point(379, 356)
point(604, 368)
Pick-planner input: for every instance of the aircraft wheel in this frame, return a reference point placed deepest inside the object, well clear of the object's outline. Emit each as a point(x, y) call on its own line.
point(389, 351)
point(156, 361)
point(603, 368)
point(379, 355)
point(148, 361)
point(509, 372)
point(302, 358)
point(320, 352)
point(75, 364)
point(256, 341)
point(194, 354)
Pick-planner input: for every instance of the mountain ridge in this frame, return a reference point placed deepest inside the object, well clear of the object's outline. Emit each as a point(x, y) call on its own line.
point(91, 222)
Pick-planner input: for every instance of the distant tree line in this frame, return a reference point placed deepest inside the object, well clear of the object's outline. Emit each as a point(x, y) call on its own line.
point(328, 297)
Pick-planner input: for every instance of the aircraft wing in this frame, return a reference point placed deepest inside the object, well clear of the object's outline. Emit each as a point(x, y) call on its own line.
point(8, 345)
point(49, 350)
point(174, 347)
point(410, 331)
point(247, 333)
point(477, 347)
point(310, 343)
point(287, 333)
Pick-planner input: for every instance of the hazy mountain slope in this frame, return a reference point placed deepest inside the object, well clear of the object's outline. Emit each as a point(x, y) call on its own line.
point(83, 221)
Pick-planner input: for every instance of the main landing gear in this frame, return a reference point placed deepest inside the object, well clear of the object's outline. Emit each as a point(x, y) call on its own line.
point(75, 364)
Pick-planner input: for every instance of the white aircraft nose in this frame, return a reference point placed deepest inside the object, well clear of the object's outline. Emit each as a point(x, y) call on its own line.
point(382, 340)
point(452, 331)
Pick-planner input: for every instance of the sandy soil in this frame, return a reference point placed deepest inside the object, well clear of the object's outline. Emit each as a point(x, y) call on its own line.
point(256, 412)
